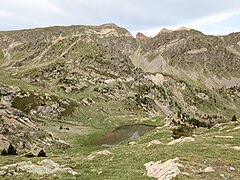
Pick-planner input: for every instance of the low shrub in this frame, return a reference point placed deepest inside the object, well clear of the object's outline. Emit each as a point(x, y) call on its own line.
point(4, 152)
point(197, 123)
point(29, 155)
point(182, 130)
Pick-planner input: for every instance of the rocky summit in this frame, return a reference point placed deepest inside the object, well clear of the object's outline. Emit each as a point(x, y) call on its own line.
point(108, 105)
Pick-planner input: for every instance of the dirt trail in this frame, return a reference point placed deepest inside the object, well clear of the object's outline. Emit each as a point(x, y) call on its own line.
point(69, 48)
point(38, 58)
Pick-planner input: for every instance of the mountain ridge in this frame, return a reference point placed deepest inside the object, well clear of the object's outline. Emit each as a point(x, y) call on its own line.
point(68, 86)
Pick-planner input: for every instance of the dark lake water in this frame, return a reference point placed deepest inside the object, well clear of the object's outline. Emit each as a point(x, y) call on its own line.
point(122, 133)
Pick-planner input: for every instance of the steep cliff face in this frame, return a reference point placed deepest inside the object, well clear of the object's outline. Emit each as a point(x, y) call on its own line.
point(201, 63)
point(191, 51)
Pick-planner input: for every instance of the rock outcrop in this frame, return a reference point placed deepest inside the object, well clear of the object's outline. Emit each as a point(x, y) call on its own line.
point(154, 142)
point(52, 110)
point(165, 30)
point(46, 166)
point(17, 127)
point(208, 169)
point(181, 140)
point(87, 101)
point(99, 153)
point(163, 171)
point(141, 37)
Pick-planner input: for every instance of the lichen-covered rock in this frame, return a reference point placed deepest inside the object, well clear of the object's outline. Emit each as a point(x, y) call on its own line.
point(154, 142)
point(7, 94)
point(87, 101)
point(46, 166)
point(52, 110)
point(208, 169)
point(181, 140)
point(163, 171)
point(99, 153)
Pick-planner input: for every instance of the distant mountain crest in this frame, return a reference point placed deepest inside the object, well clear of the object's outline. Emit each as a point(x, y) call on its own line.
point(141, 36)
point(165, 30)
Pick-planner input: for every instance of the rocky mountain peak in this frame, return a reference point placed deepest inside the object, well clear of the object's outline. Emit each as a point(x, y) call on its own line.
point(183, 28)
point(165, 30)
point(109, 25)
point(141, 37)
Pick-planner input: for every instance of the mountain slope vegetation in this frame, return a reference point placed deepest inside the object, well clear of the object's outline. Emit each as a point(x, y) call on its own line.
point(62, 88)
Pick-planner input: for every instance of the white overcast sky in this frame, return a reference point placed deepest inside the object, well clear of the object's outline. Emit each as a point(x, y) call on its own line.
point(148, 16)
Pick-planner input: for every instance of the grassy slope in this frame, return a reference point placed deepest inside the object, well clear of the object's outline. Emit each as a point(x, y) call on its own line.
point(127, 162)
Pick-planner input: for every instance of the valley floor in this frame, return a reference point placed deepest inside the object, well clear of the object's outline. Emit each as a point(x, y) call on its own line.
point(217, 148)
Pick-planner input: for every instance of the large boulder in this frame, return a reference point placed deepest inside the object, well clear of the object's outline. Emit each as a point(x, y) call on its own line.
point(163, 171)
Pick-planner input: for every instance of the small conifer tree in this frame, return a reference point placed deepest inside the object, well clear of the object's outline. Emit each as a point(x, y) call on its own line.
point(11, 150)
point(4, 152)
point(42, 153)
point(234, 118)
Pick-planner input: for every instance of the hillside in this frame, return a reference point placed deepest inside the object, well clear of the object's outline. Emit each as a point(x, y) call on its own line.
point(66, 89)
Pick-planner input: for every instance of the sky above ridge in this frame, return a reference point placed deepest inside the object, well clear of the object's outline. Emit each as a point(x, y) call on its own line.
point(216, 17)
